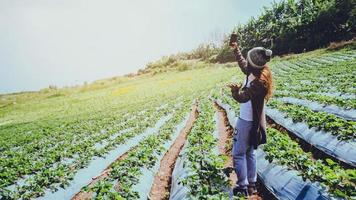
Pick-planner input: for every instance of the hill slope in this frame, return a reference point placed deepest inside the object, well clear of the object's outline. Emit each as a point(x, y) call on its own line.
point(48, 137)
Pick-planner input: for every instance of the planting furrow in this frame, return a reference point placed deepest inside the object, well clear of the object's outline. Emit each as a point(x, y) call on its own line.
point(61, 175)
point(342, 74)
point(331, 109)
point(285, 183)
point(225, 143)
point(292, 67)
point(88, 194)
point(54, 150)
point(125, 178)
point(278, 70)
point(322, 178)
point(334, 58)
point(336, 95)
point(346, 56)
point(287, 67)
point(162, 181)
point(345, 104)
point(309, 63)
point(99, 164)
point(323, 61)
point(316, 153)
point(198, 172)
point(343, 151)
point(225, 131)
point(345, 130)
point(53, 135)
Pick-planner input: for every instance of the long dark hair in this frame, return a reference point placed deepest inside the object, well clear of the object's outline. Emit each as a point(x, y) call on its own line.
point(265, 75)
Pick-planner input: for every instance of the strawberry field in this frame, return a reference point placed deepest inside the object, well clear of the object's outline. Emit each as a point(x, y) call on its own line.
point(111, 139)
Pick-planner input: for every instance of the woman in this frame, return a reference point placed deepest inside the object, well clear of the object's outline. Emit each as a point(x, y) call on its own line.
point(250, 128)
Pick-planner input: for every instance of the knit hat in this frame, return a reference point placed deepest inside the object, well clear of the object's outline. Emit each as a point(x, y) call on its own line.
point(258, 57)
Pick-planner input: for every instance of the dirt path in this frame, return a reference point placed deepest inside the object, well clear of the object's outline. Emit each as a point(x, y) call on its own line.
point(225, 131)
point(162, 180)
point(225, 140)
point(87, 195)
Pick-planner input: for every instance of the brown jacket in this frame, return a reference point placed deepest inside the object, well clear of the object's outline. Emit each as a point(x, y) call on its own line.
point(256, 93)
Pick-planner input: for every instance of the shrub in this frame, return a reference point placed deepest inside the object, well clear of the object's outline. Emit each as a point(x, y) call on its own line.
point(183, 67)
point(295, 26)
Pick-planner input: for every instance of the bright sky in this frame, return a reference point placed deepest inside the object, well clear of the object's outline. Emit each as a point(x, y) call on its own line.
point(67, 42)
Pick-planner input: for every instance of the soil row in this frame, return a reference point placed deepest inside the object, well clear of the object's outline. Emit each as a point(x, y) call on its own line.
point(161, 185)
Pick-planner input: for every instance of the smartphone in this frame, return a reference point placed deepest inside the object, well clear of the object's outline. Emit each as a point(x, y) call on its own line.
point(233, 38)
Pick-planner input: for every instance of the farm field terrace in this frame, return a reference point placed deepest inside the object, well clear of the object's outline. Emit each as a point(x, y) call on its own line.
point(61, 133)
point(50, 136)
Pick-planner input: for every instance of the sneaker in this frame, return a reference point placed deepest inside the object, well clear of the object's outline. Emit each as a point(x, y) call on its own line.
point(252, 189)
point(240, 191)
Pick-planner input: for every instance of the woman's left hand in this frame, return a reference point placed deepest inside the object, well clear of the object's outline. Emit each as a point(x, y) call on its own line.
point(232, 86)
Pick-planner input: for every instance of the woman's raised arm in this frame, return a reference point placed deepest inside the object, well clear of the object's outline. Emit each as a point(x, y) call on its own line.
point(240, 59)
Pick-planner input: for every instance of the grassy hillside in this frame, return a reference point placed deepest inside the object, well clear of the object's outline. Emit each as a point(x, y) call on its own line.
point(160, 78)
point(49, 135)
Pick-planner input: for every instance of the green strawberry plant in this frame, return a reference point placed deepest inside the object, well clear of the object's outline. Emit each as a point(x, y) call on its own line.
point(283, 150)
point(343, 129)
point(206, 179)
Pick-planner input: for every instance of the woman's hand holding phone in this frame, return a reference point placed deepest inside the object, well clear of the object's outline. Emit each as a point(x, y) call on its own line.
point(233, 86)
point(234, 45)
point(233, 41)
